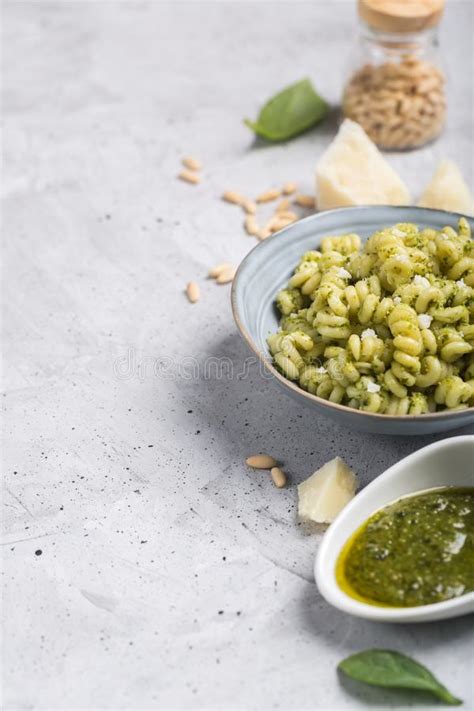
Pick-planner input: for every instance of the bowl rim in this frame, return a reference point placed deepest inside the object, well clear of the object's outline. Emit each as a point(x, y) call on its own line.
point(443, 414)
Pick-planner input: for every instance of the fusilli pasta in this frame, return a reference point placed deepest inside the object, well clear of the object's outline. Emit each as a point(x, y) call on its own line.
point(386, 327)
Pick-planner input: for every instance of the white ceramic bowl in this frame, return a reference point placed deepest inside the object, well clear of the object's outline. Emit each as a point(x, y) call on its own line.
point(446, 463)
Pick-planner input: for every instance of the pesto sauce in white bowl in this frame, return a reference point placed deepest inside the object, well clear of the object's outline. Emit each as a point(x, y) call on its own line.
point(418, 550)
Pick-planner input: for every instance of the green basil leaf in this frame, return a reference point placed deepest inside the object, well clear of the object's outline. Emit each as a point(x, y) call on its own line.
point(290, 112)
point(382, 667)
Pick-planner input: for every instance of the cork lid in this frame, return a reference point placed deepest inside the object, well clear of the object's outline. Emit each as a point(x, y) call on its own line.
point(401, 15)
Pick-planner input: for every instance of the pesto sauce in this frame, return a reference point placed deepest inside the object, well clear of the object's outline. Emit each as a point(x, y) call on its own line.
point(417, 551)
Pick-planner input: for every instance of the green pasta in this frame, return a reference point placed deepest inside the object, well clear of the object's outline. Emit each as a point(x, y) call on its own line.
point(385, 328)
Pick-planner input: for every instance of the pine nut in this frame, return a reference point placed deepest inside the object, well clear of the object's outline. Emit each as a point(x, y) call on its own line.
point(305, 201)
point(397, 84)
point(279, 477)
point(288, 215)
point(192, 292)
point(261, 461)
point(251, 226)
point(189, 177)
point(289, 188)
point(427, 85)
point(226, 276)
point(214, 272)
point(269, 195)
point(283, 205)
point(249, 206)
point(191, 163)
point(273, 220)
point(436, 98)
point(277, 223)
point(263, 233)
point(280, 225)
point(233, 197)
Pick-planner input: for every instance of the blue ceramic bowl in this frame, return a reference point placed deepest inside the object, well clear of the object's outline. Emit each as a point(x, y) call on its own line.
point(267, 268)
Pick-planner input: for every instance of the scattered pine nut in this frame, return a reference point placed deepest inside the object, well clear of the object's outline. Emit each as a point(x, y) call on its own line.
point(226, 276)
point(288, 215)
point(251, 226)
point(233, 197)
point(192, 292)
point(280, 220)
point(289, 188)
point(214, 272)
point(269, 195)
point(306, 201)
point(263, 233)
point(261, 461)
point(279, 477)
point(191, 163)
point(283, 205)
point(189, 177)
point(280, 224)
point(272, 221)
point(249, 206)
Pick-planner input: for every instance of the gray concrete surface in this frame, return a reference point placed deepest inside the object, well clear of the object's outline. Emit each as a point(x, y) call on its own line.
point(144, 565)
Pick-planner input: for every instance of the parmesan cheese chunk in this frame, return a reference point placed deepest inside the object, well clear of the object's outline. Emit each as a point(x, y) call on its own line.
point(326, 492)
point(343, 273)
point(448, 191)
point(352, 171)
point(421, 281)
point(424, 320)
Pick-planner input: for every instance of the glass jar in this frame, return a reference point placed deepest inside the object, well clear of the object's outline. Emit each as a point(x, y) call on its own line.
point(396, 85)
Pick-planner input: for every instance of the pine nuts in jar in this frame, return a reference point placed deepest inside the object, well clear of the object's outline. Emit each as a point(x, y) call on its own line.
point(397, 91)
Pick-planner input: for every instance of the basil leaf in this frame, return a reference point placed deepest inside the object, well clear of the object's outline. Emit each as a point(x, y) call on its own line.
point(290, 112)
point(382, 667)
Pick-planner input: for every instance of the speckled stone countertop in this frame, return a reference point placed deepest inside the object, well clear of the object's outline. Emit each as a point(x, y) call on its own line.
point(145, 566)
